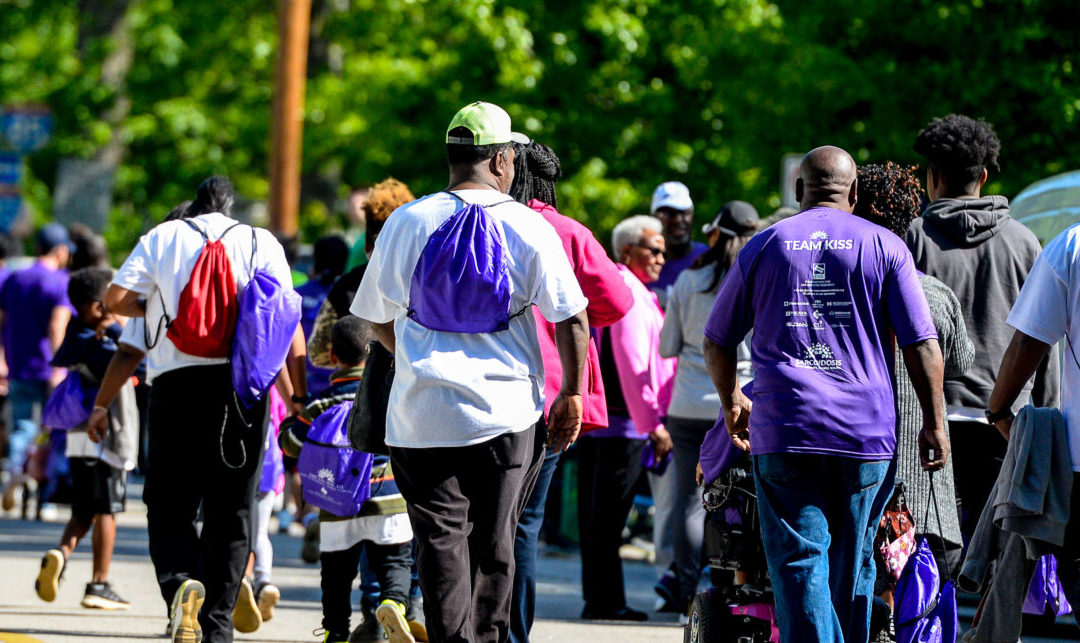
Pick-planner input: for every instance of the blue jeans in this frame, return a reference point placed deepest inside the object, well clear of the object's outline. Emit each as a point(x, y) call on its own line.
point(526, 538)
point(23, 397)
point(819, 515)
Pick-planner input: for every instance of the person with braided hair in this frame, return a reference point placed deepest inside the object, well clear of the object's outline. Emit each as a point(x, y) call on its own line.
point(974, 247)
point(536, 169)
point(890, 195)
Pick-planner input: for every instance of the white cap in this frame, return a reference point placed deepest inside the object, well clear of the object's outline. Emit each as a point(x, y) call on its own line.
point(671, 194)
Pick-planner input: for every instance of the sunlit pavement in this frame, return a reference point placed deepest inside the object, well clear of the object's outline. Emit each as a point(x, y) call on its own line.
point(24, 618)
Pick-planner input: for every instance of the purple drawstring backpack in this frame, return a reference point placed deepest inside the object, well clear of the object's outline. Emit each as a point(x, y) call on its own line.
point(925, 607)
point(461, 283)
point(266, 320)
point(1046, 594)
point(69, 404)
point(334, 476)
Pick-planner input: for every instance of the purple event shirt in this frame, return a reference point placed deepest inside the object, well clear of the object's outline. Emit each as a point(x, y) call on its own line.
point(28, 298)
point(673, 267)
point(823, 291)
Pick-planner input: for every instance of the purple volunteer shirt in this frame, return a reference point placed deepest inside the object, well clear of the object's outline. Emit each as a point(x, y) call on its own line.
point(28, 298)
point(823, 292)
point(674, 267)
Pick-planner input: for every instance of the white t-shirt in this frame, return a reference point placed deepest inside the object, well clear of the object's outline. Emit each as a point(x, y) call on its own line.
point(1048, 309)
point(162, 262)
point(456, 389)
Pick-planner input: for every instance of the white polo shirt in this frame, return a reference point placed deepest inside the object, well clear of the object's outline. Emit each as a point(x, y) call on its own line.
point(162, 262)
point(457, 389)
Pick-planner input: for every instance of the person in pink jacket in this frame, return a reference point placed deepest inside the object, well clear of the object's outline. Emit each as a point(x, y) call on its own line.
point(536, 169)
point(638, 389)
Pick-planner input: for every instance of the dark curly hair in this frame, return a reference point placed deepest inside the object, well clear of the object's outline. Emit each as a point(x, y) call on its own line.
point(959, 148)
point(536, 169)
point(889, 195)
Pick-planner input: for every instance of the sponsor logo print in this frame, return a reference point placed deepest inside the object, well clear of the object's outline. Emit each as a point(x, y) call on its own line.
point(820, 357)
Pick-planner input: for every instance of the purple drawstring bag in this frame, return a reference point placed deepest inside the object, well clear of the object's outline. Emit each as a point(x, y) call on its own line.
point(1046, 594)
point(69, 404)
point(461, 283)
point(925, 607)
point(333, 475)
point(266, 320)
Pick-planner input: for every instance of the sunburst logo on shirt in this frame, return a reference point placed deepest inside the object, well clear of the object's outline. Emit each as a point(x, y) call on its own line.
point(819, 234)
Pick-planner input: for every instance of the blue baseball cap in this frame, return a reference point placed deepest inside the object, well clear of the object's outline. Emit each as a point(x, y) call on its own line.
point(51, 235)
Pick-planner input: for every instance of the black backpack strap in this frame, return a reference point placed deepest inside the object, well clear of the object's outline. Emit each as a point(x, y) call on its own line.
point(486, 206)
point(196, 228)
point(229, 229)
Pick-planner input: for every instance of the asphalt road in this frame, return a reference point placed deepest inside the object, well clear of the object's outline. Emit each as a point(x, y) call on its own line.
point(23, 615)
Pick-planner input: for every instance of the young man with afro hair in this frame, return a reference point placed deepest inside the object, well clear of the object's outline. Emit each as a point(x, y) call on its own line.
point(969, 242)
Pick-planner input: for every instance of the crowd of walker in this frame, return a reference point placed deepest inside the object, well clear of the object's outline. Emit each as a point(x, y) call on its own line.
point(886, 357)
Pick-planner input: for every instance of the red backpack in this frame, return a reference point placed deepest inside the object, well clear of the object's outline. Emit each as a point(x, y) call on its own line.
point(206, 314)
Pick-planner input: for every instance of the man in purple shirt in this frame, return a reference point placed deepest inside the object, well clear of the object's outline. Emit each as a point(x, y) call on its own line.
point(826, 293)
point(671, 203)
point(34, 311)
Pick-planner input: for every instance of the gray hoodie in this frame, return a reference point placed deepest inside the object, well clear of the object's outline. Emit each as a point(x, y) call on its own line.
point(984, 256)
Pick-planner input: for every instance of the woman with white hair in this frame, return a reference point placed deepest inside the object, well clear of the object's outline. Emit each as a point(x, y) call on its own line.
point(637, 382)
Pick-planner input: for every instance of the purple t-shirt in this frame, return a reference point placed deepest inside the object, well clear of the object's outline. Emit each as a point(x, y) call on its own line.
point(673, 267)
point(823, 292)
point(28, 298)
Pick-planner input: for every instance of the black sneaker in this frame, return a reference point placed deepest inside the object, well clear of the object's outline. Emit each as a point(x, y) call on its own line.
point(309, 551)
point(101, 596)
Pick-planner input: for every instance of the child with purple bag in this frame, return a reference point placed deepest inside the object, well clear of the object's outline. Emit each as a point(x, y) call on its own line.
point(98, 469)
point(380, 528)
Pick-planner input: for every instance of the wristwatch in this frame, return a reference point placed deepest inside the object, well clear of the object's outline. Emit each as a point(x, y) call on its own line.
point(994, 417)
point(299, 399)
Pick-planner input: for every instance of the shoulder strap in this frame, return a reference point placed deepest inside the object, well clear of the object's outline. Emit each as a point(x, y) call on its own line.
point(229, 229)
point(458, 197)
point(196, 228)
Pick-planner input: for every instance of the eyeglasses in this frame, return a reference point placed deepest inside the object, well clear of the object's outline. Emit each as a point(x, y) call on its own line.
point(656, 252)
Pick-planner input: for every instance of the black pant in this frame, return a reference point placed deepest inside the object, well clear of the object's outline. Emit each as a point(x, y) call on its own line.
point(392, 565)
point(1069, 556)
point(977, 451)
point(202, 451)
point(464, 504)
point(608, 471)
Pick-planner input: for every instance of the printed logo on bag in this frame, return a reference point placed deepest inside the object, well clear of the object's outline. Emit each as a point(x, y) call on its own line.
point(326, 476)
point(820, 357)
point(819, 240)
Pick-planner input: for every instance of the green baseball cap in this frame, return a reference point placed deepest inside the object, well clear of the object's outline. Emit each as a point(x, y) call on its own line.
point(489, 124)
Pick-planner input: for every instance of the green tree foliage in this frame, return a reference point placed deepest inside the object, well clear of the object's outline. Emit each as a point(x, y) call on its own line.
point(629, 93)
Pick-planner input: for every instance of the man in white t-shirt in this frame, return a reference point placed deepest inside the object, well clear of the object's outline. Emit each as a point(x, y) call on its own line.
point(202, 450)
point(464, 407)
point(1047, 311)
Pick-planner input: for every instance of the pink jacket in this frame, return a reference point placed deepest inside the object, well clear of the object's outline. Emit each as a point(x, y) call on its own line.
point(609, 299)
point(645, 377)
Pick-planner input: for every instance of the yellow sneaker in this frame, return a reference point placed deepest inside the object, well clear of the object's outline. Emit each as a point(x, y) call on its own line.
point(48, 580)
point(245, 615)
point(391, 615)
point(267, 598)
point(184, 614)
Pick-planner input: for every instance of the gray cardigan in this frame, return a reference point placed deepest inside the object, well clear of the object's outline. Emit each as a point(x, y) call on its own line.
point(958, 352)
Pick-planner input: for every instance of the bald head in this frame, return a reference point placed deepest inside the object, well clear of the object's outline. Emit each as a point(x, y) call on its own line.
point(827, 179)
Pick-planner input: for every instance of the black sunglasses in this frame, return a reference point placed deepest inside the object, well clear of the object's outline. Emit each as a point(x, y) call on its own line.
point(656, 252)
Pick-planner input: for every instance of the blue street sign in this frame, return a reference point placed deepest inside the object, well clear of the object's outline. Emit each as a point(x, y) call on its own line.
point(26, 128)
point(10, 168)
point(10, 205)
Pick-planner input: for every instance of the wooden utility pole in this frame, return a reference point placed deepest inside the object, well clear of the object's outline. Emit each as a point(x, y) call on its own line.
point(287, 129)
